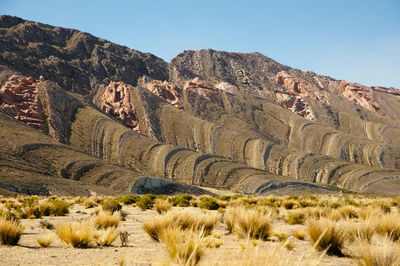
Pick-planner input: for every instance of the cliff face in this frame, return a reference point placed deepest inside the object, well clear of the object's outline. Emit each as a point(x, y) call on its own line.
point(224, 120)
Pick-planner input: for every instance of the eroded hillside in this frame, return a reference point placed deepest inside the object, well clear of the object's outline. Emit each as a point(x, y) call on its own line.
point(76, 108)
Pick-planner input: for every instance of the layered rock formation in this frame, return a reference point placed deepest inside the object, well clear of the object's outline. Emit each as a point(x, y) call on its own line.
point(19, 97)
point(233, 121)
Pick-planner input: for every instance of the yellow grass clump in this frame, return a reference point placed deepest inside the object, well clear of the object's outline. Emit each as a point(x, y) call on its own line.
point(184, 220)
point(278, 256)
point(389, 225)
point(325, 234)
point(105, 220)
point(249, 222)
point(162, 206)
point(380, 251)
point(10, 231)
point(183, 247)
point(107, 237)
point(45, 240)
point(77, 234)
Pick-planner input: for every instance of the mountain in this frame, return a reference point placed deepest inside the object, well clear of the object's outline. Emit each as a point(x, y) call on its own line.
point(80, 114)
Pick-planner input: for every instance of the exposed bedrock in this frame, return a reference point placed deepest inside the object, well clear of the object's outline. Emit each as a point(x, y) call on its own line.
point(109, 140)
point(19, 97)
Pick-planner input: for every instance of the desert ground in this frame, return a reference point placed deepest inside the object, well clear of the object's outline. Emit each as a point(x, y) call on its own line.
point(364, 228)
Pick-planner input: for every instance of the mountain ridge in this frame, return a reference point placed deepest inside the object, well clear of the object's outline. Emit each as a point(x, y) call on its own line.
point(238, 121)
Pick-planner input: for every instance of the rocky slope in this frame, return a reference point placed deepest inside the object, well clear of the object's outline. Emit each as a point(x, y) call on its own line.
point(117, 118)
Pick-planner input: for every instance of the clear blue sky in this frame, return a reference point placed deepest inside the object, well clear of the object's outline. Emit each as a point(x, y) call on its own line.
point(357, 41)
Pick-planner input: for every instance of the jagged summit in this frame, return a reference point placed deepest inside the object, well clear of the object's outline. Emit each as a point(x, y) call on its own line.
point(77, 109)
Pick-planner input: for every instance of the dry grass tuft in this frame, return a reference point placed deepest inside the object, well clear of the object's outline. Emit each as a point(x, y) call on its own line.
point(278, 256)
point(388, 225)
point(10, 231)
point(249, 222)
point(107, 237)
point(77, 234)
point(184, 248)
point(184, 220)
point(162, 206)
point(105, 220)
point(155, 226)
point(325, 234)
point(45, 240)
point(380, 251)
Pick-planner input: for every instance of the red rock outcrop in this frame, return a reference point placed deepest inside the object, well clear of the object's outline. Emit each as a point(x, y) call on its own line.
point(204, 89)
point(298, 90)
point(166, 90)
point(299, 86)
point(19, 97)
point(117, 101)
point(361, 95)
point(296, 103)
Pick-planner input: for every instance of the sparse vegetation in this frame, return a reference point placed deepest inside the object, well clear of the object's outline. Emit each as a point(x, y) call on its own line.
point(146, 202)
point(209, 203)
point(358, 229)
point(182, 200)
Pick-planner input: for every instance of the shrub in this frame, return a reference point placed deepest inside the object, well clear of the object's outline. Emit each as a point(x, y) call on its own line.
point(46, 224)
point(296, 218)
point(124, 237)
point(288, 204)
point(146, 202)
point(162, 206)
point(111, 205)
point(45, 240)
point(326, 235)
point(123, 214)
point(209, 203)
point(106, 220)
point(300, 235)
point(128, 199)
point(182, 200)
point(10, 231)
point(77, 234)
